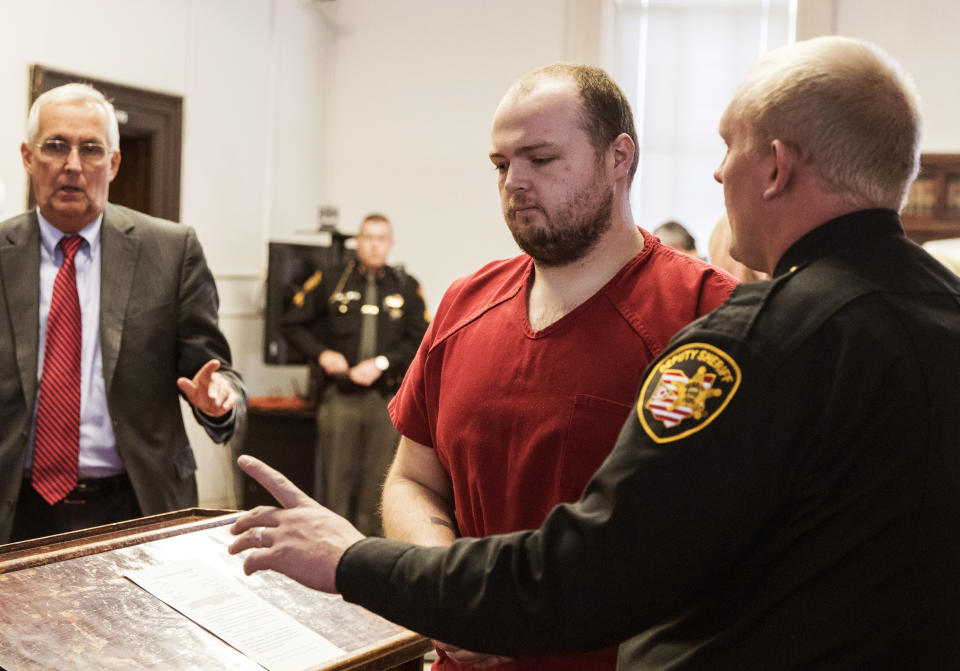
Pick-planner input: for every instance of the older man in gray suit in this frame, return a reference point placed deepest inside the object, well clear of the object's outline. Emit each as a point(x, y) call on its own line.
point(105, 313)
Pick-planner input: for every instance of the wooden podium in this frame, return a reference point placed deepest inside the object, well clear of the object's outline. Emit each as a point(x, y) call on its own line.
point(64, 603)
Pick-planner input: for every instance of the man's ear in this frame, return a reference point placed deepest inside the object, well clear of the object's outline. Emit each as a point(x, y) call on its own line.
point(27, 156)
point(623, 152)
point(114, 164)
point(784, 161)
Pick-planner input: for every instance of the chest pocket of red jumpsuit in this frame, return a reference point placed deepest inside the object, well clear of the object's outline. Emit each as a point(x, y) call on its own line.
point(594, 426)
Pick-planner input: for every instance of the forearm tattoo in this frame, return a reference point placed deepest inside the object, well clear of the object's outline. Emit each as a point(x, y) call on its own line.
point(442, 522)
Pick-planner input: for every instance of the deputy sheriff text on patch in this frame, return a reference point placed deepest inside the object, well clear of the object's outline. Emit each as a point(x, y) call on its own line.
point(687, 390)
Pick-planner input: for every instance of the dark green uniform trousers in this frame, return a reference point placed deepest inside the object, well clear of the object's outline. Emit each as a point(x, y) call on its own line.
point(356, 442)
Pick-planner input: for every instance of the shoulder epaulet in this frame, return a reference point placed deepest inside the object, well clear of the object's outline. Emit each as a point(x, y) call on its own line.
point(312, 283)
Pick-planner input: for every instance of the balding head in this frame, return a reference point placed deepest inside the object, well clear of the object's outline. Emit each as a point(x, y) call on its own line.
point(605, 109)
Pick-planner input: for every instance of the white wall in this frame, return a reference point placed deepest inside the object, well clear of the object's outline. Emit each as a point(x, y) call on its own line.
point(415, 86)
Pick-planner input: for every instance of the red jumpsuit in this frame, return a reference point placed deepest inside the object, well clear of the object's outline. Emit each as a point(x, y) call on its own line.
point(521, 419)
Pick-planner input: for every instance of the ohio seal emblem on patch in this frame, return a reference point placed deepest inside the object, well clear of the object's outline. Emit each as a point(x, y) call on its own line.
point(687, 390)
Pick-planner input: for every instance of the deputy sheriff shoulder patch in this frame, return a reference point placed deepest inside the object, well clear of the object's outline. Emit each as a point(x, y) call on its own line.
point(312, 283)
point(687, 390)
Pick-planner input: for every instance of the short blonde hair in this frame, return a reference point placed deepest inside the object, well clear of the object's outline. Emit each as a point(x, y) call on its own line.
point(847, 106)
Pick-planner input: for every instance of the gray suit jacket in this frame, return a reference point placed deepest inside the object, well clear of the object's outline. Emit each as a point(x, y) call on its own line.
point(158, 321)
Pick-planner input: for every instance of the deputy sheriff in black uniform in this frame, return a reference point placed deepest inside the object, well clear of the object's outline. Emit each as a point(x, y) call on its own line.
point(786, 493)
point(361, 323)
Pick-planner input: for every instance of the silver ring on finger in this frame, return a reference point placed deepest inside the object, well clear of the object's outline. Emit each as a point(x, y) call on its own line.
point(258, 534)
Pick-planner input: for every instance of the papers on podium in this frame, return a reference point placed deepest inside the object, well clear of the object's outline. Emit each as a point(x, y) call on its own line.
point(233, 613)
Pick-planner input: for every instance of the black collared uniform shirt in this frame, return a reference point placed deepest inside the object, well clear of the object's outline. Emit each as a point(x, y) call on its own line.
point(327, 312)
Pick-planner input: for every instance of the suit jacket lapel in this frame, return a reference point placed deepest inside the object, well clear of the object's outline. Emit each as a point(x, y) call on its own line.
point(118, 260)
point(20, 267)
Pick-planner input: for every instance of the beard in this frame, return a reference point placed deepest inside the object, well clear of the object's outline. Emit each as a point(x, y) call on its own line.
point(568, 234)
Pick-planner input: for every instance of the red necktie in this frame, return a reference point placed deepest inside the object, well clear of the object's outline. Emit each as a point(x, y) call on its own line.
point(57, 438)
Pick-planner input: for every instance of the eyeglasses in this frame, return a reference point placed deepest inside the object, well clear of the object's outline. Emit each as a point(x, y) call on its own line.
point(91, 153)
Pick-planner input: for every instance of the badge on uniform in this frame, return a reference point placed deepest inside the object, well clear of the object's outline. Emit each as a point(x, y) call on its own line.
point(687, 390)
point(395, 304)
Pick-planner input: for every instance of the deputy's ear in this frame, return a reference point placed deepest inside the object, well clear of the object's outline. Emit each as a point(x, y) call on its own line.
point(783, 163)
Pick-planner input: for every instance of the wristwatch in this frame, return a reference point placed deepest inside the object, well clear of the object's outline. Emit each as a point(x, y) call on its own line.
point(381, 362)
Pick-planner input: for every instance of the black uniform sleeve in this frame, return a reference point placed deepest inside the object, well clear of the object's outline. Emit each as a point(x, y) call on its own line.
point(300, 323)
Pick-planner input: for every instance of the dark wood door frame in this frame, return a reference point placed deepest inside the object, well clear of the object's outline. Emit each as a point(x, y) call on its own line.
point(141, 113)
